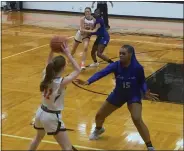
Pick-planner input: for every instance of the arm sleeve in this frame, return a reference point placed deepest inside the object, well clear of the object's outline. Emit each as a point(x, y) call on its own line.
point(95, 33)
point(98, 21)
point(109, 69)
point(142, 81)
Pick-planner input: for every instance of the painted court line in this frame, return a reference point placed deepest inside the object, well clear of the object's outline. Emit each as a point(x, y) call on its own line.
point(24, 51)
point(148, 42)
point(49, 142)
point(28, 50)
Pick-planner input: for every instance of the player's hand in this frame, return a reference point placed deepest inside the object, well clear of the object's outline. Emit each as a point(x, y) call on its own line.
point(65, 48)
point(81, 82)
point(151, 96)
point(82, 30)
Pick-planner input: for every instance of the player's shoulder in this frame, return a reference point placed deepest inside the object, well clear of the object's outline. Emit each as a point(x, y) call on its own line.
point(93, 18)
point(114, 64)
point(82, 18)
point(139, 68)
point(58, 80)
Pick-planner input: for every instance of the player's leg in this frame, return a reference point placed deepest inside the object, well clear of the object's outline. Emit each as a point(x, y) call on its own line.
point(77, 41)
point(105, 110)
point(63, 140)
point(74, 47)
point(84, 55)
point(136, 114)
point(93, 53)
point(101, 48)
point(103, 42)
point(40, 131)
point(37, 139)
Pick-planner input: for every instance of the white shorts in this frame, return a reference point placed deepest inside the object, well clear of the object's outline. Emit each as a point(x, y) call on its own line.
point(50, 122)
point(79, 37)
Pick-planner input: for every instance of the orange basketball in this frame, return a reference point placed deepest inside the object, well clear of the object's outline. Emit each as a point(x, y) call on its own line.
point(56, 42)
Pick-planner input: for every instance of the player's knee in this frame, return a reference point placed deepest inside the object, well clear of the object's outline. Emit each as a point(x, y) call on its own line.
point(136, 119)
point(93, 52)
point(39, 138)
point(85, 49)
point(99, 54)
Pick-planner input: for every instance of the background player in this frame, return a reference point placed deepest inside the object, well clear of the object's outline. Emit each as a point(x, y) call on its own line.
point(86, 22)
point(130, 84)
point(48, 116)
point(102, 39)
point(102, 5)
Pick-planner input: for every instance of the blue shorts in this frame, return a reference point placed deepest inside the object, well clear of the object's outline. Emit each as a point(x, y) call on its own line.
point(102, 40)
point(118, 100)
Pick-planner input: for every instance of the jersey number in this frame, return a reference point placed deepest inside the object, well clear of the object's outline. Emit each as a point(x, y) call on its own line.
point(126, 85)
point(105, 42)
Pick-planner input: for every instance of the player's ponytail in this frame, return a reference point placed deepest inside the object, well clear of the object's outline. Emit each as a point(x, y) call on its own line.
point(50, 73)
point(52, 70)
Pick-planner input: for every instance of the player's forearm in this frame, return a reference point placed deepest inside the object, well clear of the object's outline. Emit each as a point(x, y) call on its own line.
point(50, 56)
point(144, 87)
point(101, 74)
point(88, 31)
point(74, 63)
point(95, 78)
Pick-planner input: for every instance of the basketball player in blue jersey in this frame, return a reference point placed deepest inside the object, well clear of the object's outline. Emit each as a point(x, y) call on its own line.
point(130, 86)
point(102, 39)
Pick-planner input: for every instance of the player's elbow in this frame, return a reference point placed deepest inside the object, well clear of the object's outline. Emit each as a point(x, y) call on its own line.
point(78, 71)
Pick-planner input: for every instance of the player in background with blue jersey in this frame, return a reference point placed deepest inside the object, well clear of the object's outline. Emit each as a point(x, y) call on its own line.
point(130, 86)
point(102, 39)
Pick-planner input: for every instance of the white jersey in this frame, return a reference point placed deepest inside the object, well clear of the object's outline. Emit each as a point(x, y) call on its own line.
point(89, 24)
point(53, 99)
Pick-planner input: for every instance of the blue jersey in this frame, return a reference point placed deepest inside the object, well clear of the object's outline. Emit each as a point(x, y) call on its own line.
point(101, 32)
point(130, 81)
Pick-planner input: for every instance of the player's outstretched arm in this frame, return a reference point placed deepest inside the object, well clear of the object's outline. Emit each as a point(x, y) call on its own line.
point(68, 79)
point(104, 72)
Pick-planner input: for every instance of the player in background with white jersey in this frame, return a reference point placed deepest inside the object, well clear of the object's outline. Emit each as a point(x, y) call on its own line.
point(48, 116)
point(87, 22)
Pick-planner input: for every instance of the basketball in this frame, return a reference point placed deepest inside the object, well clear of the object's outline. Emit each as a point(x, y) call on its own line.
point(56, 42)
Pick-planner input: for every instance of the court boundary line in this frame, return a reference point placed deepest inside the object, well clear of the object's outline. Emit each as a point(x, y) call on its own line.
point(148, 42)
point(52, 142)
point(46, 141)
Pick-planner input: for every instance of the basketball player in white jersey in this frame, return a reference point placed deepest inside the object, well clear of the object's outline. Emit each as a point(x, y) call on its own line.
point(48, 117)
point(87, 22)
